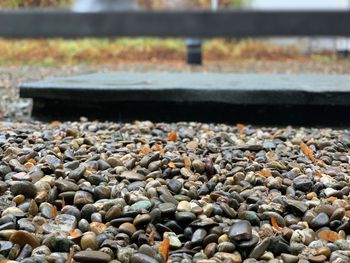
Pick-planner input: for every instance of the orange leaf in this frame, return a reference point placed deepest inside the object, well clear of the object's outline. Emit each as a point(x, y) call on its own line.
point(145, 150)
point(3, 261)
point(164, 248)
point(275, 224)
point(151, 237)
point(265, 172)
point(172, 165)
point(159, 148)
point(54, 211)
point(318, 173)
point(74, 233)
point(63, 202)
point(187, 162)
point(307, 151)
point(240, 127)
point(172, 136)
point(328, 235)
point(32, 161)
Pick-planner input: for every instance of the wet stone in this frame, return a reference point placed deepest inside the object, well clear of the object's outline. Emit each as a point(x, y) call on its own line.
point(91, 256)
point(320, 220)
point(25, 188)
point(143, 204)
point(242, 230)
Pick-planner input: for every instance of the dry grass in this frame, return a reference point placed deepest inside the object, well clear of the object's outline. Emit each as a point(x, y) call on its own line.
point(112, 51)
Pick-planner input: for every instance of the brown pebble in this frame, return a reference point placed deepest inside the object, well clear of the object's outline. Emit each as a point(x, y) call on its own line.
point(23, 237)
point(317, 259)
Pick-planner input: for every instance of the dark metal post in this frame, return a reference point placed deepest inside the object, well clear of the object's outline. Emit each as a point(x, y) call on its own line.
point(194, 51)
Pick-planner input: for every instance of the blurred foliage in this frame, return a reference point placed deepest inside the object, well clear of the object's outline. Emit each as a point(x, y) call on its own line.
point(114, 51)
point(34, 3)
point(148, 4)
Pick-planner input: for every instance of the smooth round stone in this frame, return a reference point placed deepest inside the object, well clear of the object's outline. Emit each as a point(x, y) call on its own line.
point(66, 222)
point(143, 204)
point(248, 243)
point(242, 230)
point(198, 236)
point(296, 206)
point(92, 256)
point(167, 208)
point(89, 240)
point(173, 239)
point(210, 249)
point(71, 210)
point(198, 166)
point(174, 185)
point(66, 186)
point(226, 247)
point(260, 249)
point(319, 221)
point(185, 216)
point(141, 220)
point(102, 192)
point(343, 244)
point(136, 186)
point(114, 161)
point(40, 251)
point(317, 259)
point(338, 214)
point(302, 184)
point(87, 211)
point(184, 206)
point(77, 173)
point(5, 247)
point(132, 176)
point(114, 212)
point(23, 188)
point(289, 258)
point(142, 258)
point(82, 198)
point(127, 228)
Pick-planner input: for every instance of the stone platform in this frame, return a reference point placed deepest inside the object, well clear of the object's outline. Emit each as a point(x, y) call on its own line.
point(216, 97)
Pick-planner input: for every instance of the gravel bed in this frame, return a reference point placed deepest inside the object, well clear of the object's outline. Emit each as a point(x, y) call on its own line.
point(148, 192)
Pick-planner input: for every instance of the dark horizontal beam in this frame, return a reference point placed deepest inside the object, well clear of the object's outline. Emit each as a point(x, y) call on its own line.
point(206, 24)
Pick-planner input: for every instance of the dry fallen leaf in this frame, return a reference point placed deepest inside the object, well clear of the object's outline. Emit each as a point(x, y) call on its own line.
point(308, 152)
point(54, 211)
point(265, 172)
point(151, 237)
point(63, 202)
point(240, 127)
point(145, 150)
point(329, 235)
point(158, 148)
point(187, 162)
point(172, 136)
point(74, 233)
point(164, 248)
point(275, 224)
point(172, 165)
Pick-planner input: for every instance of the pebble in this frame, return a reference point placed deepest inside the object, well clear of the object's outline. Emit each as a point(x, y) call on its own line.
point(242, 230)
point(23, 188)
point(91, 256)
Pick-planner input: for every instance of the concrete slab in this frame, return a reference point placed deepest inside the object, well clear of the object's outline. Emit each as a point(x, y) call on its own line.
point(260, 98)
point(267, 89)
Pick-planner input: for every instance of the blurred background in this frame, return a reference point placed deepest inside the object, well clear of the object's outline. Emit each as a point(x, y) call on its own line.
point(26, 60)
